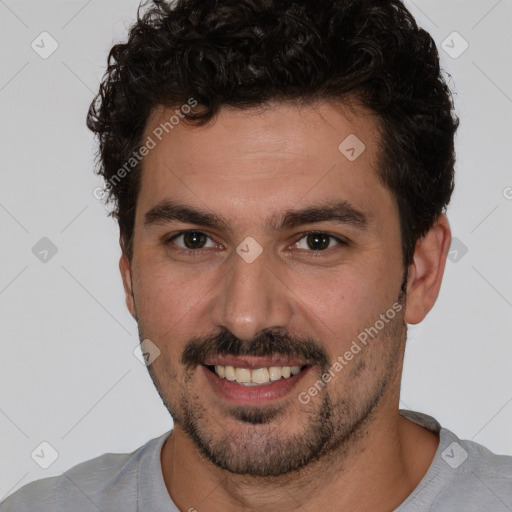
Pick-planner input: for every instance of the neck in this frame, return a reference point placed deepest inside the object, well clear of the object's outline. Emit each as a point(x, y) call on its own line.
point(382, 465)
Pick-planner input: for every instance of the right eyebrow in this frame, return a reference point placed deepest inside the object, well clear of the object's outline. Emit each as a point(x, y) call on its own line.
point(167, 211)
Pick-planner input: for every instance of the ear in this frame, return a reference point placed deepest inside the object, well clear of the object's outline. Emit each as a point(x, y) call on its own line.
point(426, 271)
point(126, 275)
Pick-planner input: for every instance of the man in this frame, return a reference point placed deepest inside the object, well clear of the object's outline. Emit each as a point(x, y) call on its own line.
point(280, 172)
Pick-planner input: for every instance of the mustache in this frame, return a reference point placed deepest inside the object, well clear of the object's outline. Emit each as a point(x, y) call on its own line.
point(266, 343)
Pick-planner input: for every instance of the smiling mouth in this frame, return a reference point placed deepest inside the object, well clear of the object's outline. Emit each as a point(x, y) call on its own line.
point(257, 376)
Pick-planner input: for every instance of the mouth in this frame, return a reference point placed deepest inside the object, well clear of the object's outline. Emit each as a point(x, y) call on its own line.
point(252, 380)
point(255, 377)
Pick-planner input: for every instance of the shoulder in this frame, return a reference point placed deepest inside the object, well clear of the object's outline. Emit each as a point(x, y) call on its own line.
point(487, 470)
point(103, 483)
point(464, 475)
point(42, 492)
point(475, 477)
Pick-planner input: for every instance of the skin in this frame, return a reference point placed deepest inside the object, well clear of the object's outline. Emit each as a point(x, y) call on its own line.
point(248, 166)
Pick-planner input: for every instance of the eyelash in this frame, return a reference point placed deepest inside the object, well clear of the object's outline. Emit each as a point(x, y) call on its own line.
point(197, 252)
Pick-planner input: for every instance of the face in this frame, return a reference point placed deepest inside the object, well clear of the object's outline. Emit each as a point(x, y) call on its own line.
point(261, 253)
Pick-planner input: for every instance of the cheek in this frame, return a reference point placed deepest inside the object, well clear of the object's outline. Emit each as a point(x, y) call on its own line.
point(171, 302)
point(344, 296)
point(338, 305)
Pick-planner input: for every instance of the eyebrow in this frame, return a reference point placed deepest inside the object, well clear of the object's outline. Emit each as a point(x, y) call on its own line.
point(340, 212)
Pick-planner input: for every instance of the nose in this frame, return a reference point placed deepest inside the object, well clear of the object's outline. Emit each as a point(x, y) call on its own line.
point(252, 297)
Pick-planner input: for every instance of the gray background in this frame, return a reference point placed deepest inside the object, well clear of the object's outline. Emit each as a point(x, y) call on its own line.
point(69, 376)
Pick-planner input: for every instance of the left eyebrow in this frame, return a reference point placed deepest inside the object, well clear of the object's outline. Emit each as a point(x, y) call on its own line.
point(340, 212)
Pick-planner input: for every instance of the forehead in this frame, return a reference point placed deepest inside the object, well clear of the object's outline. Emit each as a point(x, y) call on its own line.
point(260, 161)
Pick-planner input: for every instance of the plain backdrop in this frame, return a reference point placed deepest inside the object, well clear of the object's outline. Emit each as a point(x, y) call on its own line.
point(69, 376)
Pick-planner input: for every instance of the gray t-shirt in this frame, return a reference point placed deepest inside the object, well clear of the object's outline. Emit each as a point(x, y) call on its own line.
point(464, 476)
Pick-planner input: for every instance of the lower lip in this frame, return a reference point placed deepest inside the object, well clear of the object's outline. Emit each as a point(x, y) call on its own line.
point(253, 395)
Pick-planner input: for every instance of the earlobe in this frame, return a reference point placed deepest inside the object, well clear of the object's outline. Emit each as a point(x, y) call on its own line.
point(126, 275)
point(426, 271)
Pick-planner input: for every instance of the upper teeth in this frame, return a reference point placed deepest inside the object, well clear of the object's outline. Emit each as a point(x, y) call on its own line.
point(250, 377)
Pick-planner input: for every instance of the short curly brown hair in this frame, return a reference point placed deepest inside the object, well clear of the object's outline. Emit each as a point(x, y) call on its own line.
point(244, 53)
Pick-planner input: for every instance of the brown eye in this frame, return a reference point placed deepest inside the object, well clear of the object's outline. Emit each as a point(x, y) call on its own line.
point(318, 242)
point(192, 240)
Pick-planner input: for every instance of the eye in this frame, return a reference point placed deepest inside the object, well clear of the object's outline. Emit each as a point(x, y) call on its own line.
point(318, 241)
point(192, 240)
